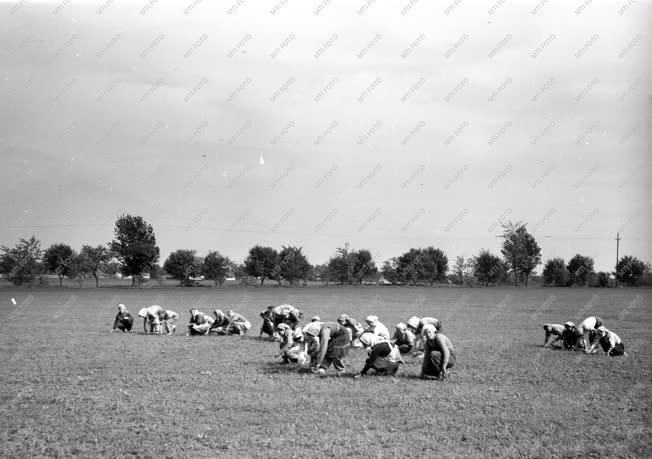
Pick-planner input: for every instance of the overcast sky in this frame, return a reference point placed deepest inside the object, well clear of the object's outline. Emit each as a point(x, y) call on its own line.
point(389, 124)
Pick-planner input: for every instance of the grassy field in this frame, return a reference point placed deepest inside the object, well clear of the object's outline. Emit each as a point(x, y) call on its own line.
point(69, 387)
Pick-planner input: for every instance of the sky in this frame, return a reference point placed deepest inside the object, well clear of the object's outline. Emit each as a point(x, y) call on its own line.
point(388, 125)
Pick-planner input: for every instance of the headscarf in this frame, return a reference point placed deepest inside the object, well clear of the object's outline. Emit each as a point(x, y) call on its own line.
point(368, 339)
point(343, 319)
point(371, 320)
point(312, 329)
point(413, 322)
point(401, 326)
point(142, 312)
point(429, 331)
point(122, 308)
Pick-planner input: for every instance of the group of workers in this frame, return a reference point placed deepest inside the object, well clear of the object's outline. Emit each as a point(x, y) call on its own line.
point(588, 335)
point(317, 344)
point(158, 320)
point(322, 343)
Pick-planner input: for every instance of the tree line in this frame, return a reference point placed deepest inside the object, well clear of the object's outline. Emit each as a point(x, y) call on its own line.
point(133, 252)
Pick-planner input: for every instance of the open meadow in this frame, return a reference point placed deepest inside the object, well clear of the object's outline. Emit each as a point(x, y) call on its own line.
point(69, 387)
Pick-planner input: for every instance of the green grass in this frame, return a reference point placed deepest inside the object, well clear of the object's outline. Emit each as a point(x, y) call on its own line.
point(71, 388)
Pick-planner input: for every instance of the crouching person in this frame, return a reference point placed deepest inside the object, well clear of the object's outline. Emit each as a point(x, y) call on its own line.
point(569, 335)
point(221, 323)
point(123, 319)
point(610, 342)
point(404, 338)
point(551, 330)
point(291, 348)
point(585, 333)
point(169, 319)
point(384, 356)
point(311, 341)
point(152, 318)
point(439, 354)
point(238, 324)
point(200, 323)
point(268, 322)
point(334, 345)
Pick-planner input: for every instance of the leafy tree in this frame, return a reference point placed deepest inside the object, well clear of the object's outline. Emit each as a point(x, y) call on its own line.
point(216, 267)
point(630, 270)
point(93, 260)
point(409, 267)
point(342, 265)
point(580, 269)
point(389, 271)
point(134, 245)
point(602, 279)
point(321, 273)
point(112, 268)
point(293, 264)
point(434, 264)
point(261, 263)
point(22, 263)
point(463, 271)
point(59, 259)
point(520, 249)
point(555, 273)
point(182, 265)
point(364, 267)
point(487, 268)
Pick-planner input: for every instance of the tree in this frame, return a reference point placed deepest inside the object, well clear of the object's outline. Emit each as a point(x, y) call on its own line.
point(93, 260)
point(580, 269)
point(22, 264)
point(520, 249)
point(487, 268)
point(182, 265)
point(364, 267)
point(342, 265)
point(409, 267)
point(112, 268)
point(389, 271)
point(630, 270)
point(321, 273)
point(293, 264)
point(463, 271)
point(134, 245)
point(555, 273)
point(434, 264)
point(261, 262)
point(216, 267)
point(58, 259)
point(602, 279)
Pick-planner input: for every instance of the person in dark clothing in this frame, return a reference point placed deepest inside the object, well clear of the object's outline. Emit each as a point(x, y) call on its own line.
point(123, 319)
point(439, 354)
point(334, 345)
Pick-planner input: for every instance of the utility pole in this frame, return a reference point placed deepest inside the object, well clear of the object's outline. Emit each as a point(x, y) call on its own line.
point(617, 247)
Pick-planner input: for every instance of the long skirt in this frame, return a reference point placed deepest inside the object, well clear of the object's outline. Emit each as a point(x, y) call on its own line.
point(432, 363)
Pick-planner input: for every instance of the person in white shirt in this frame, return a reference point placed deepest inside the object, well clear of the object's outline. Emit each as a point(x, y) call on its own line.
point(585, 329)
point(291, 348)
point(384, 356)
point(376, 327)
point(238, 323)
point(556, 330)
point(152, 317)
point(168, 320)
point(200, 323)
point(610, 342)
